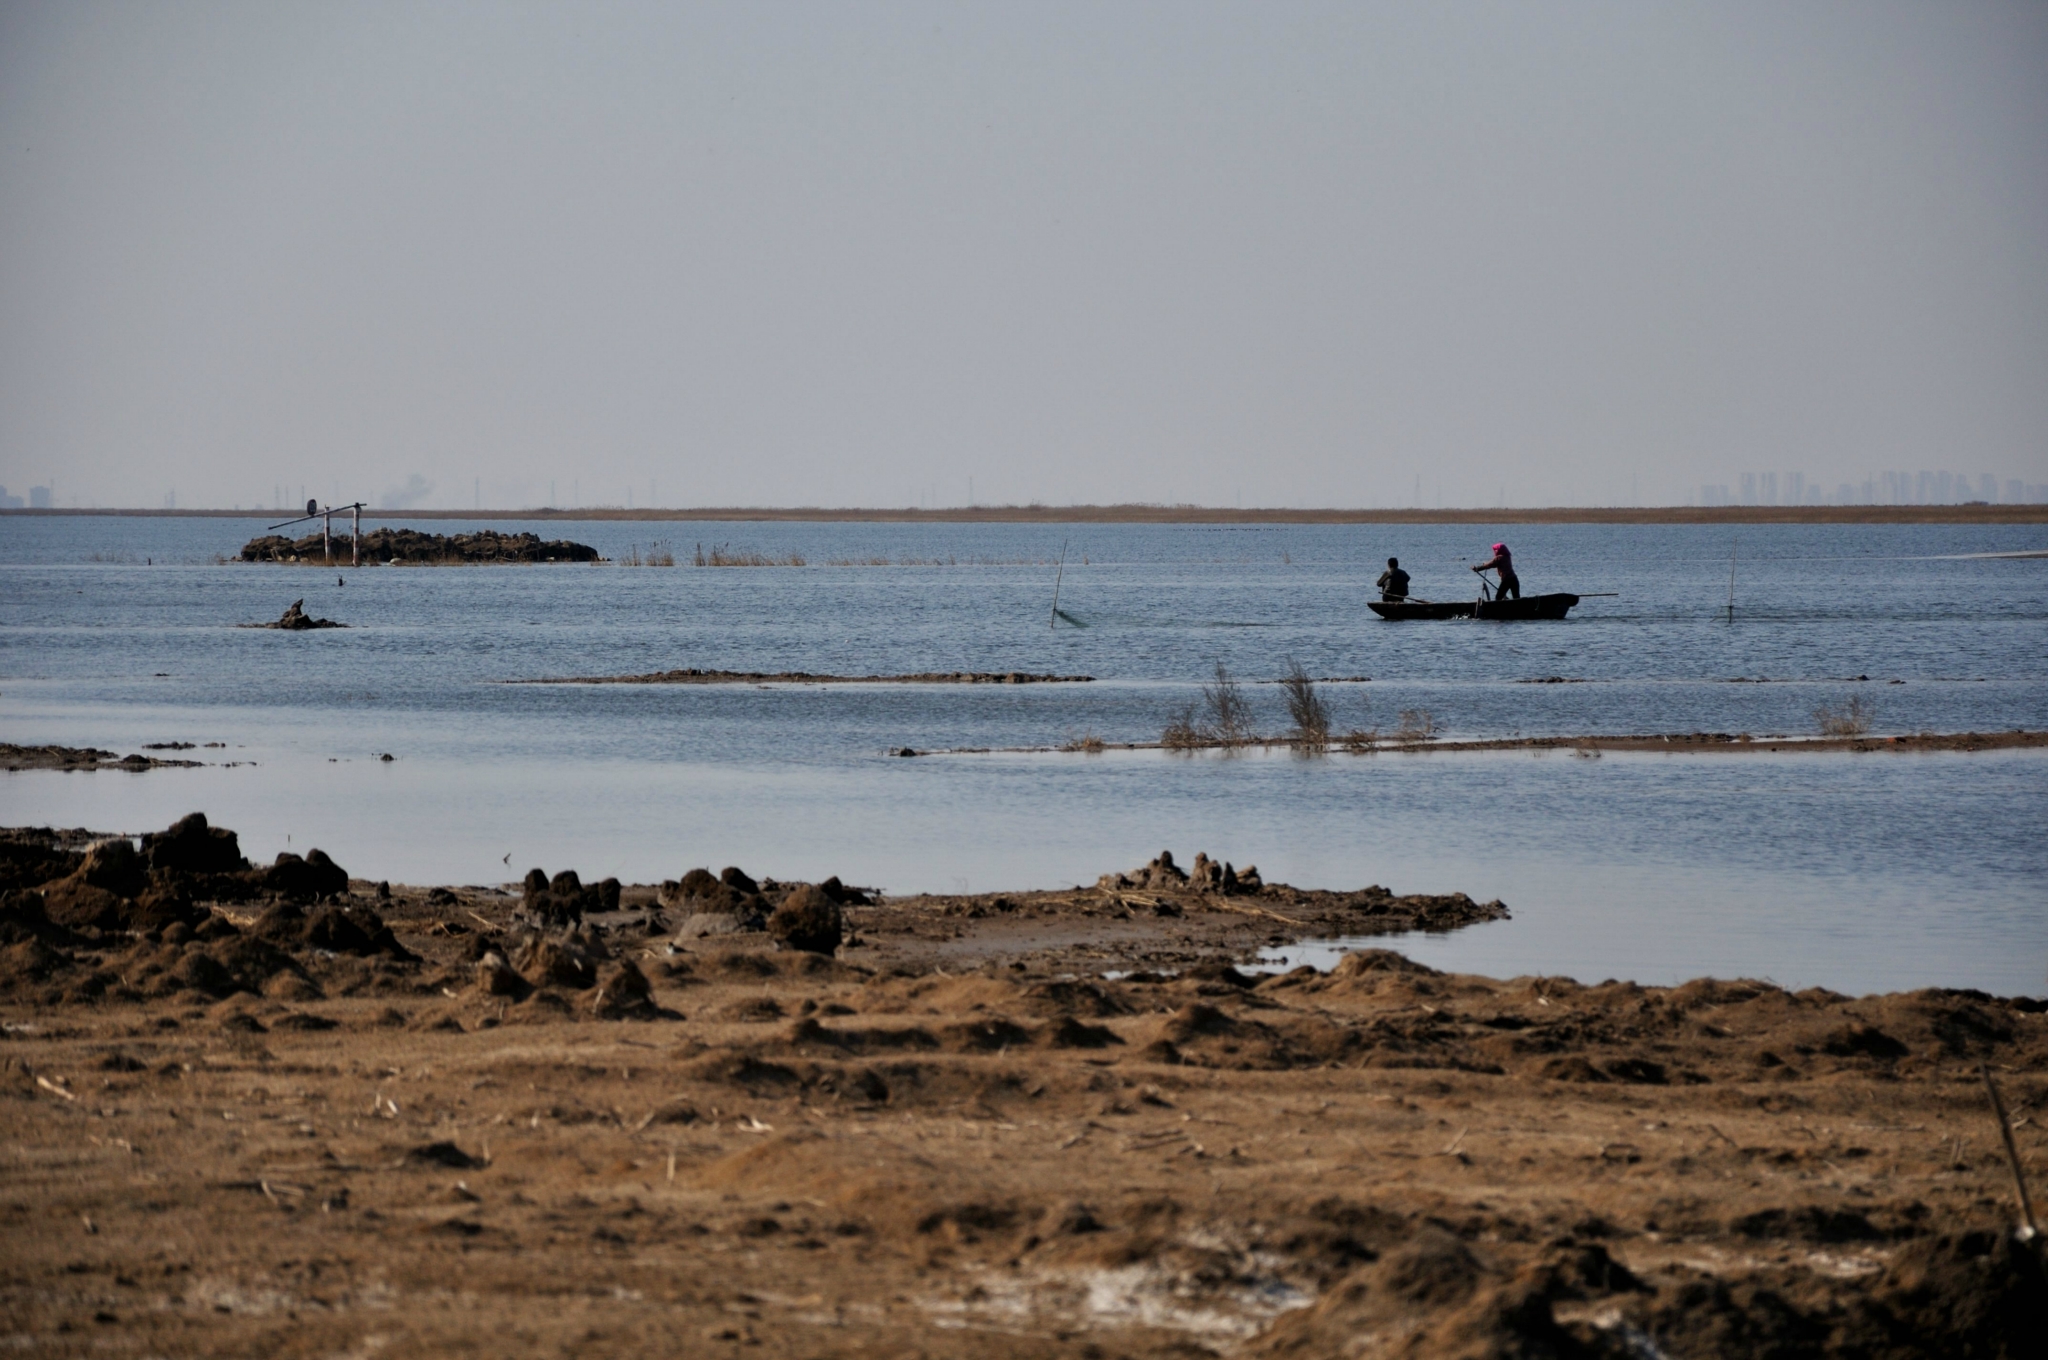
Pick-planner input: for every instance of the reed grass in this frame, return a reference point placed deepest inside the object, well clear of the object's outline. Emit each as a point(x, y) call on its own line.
point(659, 554)
point(1360, 741)
point(1311, 716)
point(1087, 744)
point(1184, 732)
point(721, 556)
point(1229, 713)
point(1852, 719)
point(1417, 724)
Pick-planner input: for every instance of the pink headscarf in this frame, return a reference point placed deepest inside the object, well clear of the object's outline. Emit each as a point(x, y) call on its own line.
point(1500, 547)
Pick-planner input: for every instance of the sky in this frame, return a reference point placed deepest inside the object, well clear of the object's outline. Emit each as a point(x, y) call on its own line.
point(1259, 254)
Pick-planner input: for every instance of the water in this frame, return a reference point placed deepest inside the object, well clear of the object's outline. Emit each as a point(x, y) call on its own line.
point(1860, 874)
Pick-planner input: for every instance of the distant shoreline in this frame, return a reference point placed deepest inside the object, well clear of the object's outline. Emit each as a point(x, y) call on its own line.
point(1177, 514)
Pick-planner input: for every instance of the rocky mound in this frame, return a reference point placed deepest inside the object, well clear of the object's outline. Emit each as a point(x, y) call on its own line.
point(564, 900)
point(1163, 875)
point(799, 916)
point(296, 620)
point(395, 546)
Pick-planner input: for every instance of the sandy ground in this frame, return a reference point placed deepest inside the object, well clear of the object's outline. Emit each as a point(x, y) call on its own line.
point(956, 1137)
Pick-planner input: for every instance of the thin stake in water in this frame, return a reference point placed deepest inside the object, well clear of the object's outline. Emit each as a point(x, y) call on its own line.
point(1053, 621)
point(1732, 544)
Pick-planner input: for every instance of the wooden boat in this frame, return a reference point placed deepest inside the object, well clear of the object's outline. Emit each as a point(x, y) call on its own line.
point(1502, 611)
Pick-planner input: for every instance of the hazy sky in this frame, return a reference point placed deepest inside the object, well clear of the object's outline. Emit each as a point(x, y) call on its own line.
point(833, 253)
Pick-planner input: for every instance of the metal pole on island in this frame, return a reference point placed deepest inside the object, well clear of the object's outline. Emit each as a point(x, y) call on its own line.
point(327, 536)
point(355, 536)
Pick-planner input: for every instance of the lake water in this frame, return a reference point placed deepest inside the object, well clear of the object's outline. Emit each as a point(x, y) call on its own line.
point(1857, 873)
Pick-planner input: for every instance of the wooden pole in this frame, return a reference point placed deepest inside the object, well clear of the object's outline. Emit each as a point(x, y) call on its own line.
point(1054, 621)
point(2012, 1155)
point(327, 536)
point(1731, 578)
point(355, 537)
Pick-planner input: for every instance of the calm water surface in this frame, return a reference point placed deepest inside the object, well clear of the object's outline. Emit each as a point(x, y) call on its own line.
point(1860, 874)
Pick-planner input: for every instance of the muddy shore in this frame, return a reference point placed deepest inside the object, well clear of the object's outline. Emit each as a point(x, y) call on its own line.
point(16, 758)
point(283, 1111)
point(1674, 743)
point(703, 677)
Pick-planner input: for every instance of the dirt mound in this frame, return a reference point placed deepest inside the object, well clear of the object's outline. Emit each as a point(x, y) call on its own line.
point(808, 920)
point(34, 855)
point(564, 900)
point(356, 930)
point(568, 960)
point(311, 878)
point(191, 846)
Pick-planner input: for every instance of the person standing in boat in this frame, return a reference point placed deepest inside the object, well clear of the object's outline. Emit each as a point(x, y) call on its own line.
point(1393, 582)
point(1503, 562)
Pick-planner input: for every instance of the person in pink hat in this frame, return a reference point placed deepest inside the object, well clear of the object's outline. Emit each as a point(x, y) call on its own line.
point(1503, 562)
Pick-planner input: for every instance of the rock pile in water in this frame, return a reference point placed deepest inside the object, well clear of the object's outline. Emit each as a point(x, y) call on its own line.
point(394, 546)
point(296, 620)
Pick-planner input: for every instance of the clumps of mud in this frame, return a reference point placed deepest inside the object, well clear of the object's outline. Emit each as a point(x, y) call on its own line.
point(800, 916)
point(1163, 875)
point(84, 918)
point(539, 974)
point(1976, 1294)
point(564, 900)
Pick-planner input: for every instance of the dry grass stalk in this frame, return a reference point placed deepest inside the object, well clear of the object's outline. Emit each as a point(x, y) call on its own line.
point(1183, 732)
point(1852, 719)
point(1417, 724)
point(721, 556)
point(1088, 743)
point(1229, 713)
point(1311, 716)
point(658, 554)
point(1360, 740)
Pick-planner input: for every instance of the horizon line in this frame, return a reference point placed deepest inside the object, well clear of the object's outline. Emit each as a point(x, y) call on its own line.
point(1978, 512)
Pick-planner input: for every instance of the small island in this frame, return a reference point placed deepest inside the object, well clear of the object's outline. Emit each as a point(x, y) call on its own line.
point(410, 547)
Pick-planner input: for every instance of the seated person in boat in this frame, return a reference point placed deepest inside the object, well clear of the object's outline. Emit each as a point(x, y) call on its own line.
point(1503, 562)
point(1393, 581)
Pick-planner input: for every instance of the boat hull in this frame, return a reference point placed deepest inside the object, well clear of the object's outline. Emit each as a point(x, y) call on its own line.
point(1500, 611)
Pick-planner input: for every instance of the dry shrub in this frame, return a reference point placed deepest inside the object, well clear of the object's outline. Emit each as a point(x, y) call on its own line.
point(1360, 740)
point(1852, 719)
point(1311, 716)
point(1088, 743)
point(1417, 724)
point(1183, 732)
point(1229, 713)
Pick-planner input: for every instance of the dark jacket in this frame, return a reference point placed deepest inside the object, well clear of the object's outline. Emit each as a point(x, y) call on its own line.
point(1393, 583)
